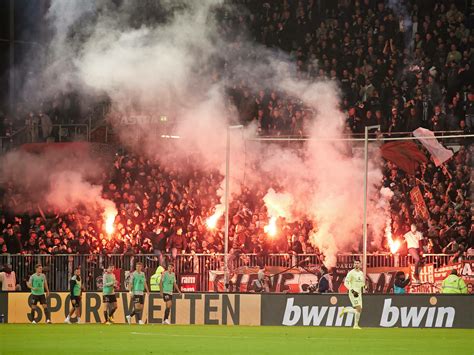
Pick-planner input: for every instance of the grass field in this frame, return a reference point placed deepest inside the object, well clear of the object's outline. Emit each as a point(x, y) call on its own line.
point(196, 339)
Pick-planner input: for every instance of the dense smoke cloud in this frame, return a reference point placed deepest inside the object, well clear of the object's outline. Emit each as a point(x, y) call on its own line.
point(173, 66)
point(55, 181)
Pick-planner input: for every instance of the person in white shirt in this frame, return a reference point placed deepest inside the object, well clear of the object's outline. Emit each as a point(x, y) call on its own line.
point(413, 238)
point(8, 279)
point(355, 283)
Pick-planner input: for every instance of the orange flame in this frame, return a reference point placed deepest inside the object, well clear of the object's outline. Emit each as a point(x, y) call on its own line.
point(211, 222)
point(109, 221)
point(271, 227)
point(392, 244)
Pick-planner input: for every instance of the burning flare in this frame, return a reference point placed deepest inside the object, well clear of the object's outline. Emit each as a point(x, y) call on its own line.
point(211, 222)
point(271, 227)
point(392, 244)
point(109, 216)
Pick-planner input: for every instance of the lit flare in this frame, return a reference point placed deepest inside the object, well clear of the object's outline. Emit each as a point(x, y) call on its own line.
point(109, 221)
point(392, 244)
point(271, 227)
point(211, 222)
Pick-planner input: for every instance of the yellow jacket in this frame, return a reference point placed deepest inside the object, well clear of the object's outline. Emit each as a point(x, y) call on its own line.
point(453, 284)
point(156, 278)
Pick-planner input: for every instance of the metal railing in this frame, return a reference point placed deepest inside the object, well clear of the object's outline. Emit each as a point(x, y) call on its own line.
point(13, 140)
point(439, 134)
point(71, 132)
point(31, 134)
point(59, 268)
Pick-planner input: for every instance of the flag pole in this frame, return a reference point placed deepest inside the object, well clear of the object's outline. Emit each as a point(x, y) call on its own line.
point(226, 204)
point(366, 172)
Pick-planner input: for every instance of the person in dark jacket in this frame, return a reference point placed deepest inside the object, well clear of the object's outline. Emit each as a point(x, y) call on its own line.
point(400, 283)
point(82, 247)
point(177, 242)
point(12, 241)
point(325, 281)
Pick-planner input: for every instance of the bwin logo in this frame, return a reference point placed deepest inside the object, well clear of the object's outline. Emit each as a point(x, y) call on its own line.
point(315, 315)
point(414, 316)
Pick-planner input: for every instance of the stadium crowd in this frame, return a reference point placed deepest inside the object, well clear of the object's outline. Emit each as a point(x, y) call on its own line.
point(164, 210)
point(401, 69)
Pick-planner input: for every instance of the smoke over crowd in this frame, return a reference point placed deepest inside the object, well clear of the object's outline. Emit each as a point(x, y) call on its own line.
point(179, 63)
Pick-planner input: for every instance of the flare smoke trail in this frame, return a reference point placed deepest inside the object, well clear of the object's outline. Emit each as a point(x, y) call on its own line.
point(404, 21)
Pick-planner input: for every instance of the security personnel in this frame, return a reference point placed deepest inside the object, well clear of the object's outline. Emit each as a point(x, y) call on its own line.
point(453, 284)
point(156, 279)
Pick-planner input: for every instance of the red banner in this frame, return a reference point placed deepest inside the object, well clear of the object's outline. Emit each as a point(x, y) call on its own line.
point(431, 278)
point(304, 280)
point(467, 273)
point(419, 203)
point(279, 279)
point(426, 277)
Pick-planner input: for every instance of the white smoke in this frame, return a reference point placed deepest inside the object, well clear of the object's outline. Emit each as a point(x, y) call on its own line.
point(405, 22)
point(279, 204)
point(56, 181)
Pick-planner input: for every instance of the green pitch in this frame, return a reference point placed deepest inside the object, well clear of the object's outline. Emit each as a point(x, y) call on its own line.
point(197, 339)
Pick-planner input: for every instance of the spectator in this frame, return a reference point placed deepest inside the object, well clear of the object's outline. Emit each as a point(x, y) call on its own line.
point(82, 246)
point(8, 279)
point(400, 283)
point(413, 239)
point(177, 243)
point(325, 281)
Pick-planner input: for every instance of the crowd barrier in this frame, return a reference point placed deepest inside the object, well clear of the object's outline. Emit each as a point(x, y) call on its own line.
point(386, 311)
point(58, 268)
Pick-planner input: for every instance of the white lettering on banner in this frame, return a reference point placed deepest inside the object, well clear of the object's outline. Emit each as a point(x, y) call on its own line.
point(313, 315)
point(450, 312)
point(290, 310)
point(339, 320)
point(388, 311)
point(413, 316)
point(188, 279)
point(430, 317)
point(330, 318)
point(188, 289)
point(467, 270)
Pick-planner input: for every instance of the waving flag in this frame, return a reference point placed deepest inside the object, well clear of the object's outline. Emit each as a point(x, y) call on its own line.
point(404, 154)
point(439, 153)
